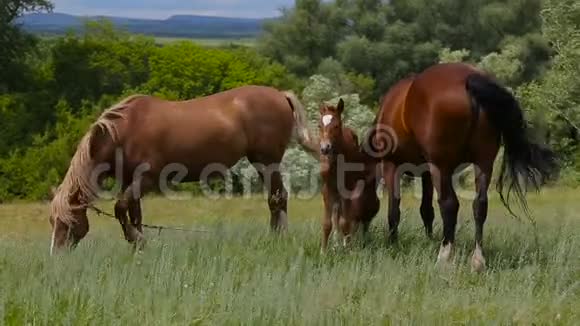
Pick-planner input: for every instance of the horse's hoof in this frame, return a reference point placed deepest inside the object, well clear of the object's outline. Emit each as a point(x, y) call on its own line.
point(477, 261)
point(477, 266)
point(140, 244)
point(392, 239)
point(138, 240)
point(445, 256)
point(347, 242)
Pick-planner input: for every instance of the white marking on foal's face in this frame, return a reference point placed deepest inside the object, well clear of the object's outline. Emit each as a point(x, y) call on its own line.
point(327, 119)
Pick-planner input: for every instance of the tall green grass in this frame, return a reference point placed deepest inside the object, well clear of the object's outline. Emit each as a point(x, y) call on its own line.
point(239, 273)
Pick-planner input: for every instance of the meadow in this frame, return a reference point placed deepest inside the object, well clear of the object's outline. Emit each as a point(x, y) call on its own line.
point(233, 271)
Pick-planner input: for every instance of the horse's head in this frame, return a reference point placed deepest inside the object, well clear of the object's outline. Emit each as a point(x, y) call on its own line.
point(365, 202)
point(68, 219)
point(330, 127)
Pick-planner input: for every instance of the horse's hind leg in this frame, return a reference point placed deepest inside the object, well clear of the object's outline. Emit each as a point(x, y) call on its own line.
point(482, 180)
point(427, 211)
point(390, 174)
point(277, 194)
point(449, 206)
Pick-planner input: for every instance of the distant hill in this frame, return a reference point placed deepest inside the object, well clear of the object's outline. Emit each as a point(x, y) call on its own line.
point(175, 26)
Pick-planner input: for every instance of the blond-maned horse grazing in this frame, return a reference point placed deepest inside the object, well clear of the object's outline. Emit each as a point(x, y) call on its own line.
point(148, 135)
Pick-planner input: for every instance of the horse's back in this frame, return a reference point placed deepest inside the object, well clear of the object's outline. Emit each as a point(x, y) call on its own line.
point(442, 116)
point(219, 128)
point(267, 119)
point(392, 105)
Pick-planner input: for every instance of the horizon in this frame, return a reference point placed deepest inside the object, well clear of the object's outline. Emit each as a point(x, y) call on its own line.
point(143, 18)
point(164, 9)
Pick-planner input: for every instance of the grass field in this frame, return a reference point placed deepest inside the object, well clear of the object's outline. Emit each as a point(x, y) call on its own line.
point(237, 273)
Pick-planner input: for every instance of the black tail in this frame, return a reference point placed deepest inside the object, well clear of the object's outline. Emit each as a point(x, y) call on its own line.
point(525, 162)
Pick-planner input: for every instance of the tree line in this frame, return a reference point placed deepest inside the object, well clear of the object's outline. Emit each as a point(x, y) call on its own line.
point(52, 89)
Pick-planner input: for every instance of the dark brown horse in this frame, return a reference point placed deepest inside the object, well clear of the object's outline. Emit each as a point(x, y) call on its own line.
point(443, 118)
point(143, 140)
point(348, 178)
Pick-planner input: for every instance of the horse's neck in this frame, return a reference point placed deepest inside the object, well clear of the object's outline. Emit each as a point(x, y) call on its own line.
point(349, 148)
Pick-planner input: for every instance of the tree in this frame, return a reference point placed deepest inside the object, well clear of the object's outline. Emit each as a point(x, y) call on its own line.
point(100, 61)
point(11, 9)
point(554, 99)
point(387, 40)
point(185, 70)
point(14, 44)
point(308, 34)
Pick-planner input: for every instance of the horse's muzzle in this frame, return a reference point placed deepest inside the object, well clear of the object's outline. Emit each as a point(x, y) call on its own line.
point(325, 148)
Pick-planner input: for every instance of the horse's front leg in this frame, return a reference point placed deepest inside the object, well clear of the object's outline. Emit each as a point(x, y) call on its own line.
point(326, 218)
point(427, 210)
point(136, 217)
point(336, 213)
point(346, 222)
point(129, 202)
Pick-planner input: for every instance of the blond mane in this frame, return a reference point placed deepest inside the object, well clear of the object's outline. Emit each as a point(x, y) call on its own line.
point(77, 179)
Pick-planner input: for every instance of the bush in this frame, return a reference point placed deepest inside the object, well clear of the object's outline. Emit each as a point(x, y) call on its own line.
point(30, 173)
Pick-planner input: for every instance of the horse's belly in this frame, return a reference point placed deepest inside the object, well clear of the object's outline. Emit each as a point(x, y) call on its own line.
point(201, 167)
point(187, 160)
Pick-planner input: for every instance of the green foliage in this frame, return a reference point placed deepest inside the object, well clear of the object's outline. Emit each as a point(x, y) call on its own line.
point(387, 40)
point(185, 70)
point(15, 44)
point(50, 90)
point(81, 74)
point(308, 36)
point(31, 172)
point(100, 61)
point(554, 99)
point(450, 56)
point(21, 117)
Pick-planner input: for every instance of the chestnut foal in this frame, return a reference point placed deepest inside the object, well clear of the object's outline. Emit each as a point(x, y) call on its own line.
point(349, 179)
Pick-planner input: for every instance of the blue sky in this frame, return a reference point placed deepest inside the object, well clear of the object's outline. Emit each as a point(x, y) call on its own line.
point(166, 8)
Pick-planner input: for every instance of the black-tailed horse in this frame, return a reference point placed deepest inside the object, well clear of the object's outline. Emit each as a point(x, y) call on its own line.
point(153, 138)
point(443, 118)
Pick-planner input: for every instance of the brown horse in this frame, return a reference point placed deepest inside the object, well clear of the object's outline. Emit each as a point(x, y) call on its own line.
point(349, 188)
point(144, 139)
point(448, 116)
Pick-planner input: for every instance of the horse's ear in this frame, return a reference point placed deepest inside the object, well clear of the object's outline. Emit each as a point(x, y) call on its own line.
point(322, 108)
point(340, 106)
